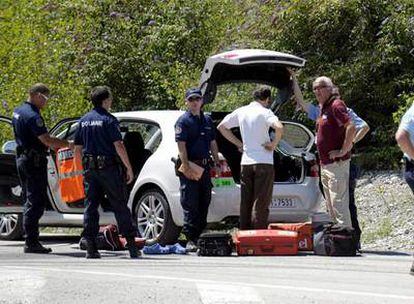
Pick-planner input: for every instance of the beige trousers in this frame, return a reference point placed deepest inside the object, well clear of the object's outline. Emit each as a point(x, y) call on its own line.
point(335, 181)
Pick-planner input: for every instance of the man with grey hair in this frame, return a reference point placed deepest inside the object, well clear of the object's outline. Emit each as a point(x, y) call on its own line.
point(335, 132)
point(257, 171)
point(32, 141)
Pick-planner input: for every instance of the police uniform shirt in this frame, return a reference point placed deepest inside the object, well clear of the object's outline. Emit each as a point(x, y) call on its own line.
point(97, 132)
point(28, 125)
point(197, 132)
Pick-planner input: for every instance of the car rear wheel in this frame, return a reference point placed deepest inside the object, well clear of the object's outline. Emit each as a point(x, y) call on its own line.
point(11, 226)
point(154, 220)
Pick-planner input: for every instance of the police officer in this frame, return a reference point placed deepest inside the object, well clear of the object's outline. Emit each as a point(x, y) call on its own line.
point(104, 159)
point(195, 136)
point(32, 141)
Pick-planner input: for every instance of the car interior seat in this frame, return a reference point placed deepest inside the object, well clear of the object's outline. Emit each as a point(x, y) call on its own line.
point(138, 155)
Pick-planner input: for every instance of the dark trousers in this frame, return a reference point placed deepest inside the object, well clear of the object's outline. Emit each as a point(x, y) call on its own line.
point(33, 179)
point(409, 174)
point(195, 200)
point(109, 181)
point(256, 195)
point(354, 171)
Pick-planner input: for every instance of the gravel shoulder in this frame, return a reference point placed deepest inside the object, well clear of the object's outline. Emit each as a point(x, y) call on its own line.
point(386, 211)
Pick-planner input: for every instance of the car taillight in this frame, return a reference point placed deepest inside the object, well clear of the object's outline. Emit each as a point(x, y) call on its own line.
point(225, 170)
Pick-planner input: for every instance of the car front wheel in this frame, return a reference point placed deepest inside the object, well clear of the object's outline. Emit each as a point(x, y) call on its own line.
point(154, 220)
point(11, 226)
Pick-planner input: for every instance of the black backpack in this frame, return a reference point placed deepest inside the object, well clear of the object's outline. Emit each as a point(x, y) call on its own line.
point(215, 244)
point(334, 241)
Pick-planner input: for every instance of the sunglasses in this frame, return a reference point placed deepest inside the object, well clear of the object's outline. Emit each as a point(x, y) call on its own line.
point(317, 88)
point(44, 96)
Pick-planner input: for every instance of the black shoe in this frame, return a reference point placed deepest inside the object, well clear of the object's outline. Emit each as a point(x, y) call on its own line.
point(36, 247)
point(412, 269)
point(134, 253)
point(191, 247)
point(92, 251)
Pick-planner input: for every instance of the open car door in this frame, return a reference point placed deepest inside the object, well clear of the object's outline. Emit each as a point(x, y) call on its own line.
point(297, 140)
point(10, 190)
point(250, 65)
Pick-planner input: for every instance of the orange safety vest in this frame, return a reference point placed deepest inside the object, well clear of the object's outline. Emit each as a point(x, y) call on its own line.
point(70, 176)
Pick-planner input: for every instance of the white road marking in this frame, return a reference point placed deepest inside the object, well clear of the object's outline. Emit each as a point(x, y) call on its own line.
point(195, 281)
point(224, 293)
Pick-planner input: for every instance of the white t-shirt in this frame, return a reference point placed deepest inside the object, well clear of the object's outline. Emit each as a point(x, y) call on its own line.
point(407, 124)
point(254, 121)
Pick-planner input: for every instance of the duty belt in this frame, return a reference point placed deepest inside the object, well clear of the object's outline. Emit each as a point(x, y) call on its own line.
point(99, 161)
point(201, 162)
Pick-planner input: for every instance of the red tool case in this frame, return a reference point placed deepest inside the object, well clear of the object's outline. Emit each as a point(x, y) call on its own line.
point(266, 242)
point(304, 230)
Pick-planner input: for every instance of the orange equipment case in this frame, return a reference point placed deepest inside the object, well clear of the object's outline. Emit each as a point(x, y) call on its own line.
point(266, 242)
point(304, 230)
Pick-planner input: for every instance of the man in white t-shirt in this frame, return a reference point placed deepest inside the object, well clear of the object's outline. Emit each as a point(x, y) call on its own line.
point(405, 139)
point(257, 171)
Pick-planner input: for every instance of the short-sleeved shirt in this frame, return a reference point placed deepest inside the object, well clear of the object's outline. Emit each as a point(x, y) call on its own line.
point(197, 131)
point(28, 125)
point(407, 124)
point(254, 121)
point(313, 113)
point(97, 132)
point(331, 129)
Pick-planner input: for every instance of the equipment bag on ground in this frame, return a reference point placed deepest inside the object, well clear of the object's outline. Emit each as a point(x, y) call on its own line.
point(266, 242)
point(304, 230)
point(108, 239)
point(334, 241)
point(215, 244)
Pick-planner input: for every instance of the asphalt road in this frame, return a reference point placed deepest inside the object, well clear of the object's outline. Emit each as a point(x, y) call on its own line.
point(65, 276)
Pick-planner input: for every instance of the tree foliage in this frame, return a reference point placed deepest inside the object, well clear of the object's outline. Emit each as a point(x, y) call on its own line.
point(150, 51)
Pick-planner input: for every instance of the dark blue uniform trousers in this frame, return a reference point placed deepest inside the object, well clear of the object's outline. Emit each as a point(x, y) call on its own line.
point(109, 181)
point(33, 179)
point(409, 174)
point(354, 172)
point(195, 200)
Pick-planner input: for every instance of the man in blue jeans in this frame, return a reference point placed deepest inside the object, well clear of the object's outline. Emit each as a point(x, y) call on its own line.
point(362, 129)
point(405, 140)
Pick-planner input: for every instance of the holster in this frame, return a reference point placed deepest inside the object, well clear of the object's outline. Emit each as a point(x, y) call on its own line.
point(177, 163)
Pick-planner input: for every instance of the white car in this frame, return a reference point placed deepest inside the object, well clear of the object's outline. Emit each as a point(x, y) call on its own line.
point(150, 141)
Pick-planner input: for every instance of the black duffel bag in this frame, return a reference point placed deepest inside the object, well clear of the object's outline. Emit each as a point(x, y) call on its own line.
point(215, 244)
point(332, 240)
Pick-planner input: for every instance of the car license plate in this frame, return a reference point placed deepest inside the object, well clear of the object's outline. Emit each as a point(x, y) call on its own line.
point(283, 202)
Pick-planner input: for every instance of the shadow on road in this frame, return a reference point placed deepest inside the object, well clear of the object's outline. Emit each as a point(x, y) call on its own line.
point(386, 253)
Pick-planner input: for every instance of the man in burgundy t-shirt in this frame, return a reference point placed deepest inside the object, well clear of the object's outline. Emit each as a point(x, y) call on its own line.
point(335, 132)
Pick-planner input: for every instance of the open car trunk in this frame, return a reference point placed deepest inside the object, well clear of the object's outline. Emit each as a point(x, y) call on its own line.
point(289, 165)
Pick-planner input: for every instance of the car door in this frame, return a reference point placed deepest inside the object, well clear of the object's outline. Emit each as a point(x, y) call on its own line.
point(64, 129)
point(10, 190)
point(297, 140)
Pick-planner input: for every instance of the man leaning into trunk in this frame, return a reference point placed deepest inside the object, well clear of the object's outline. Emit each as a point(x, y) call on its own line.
point(257, 171)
